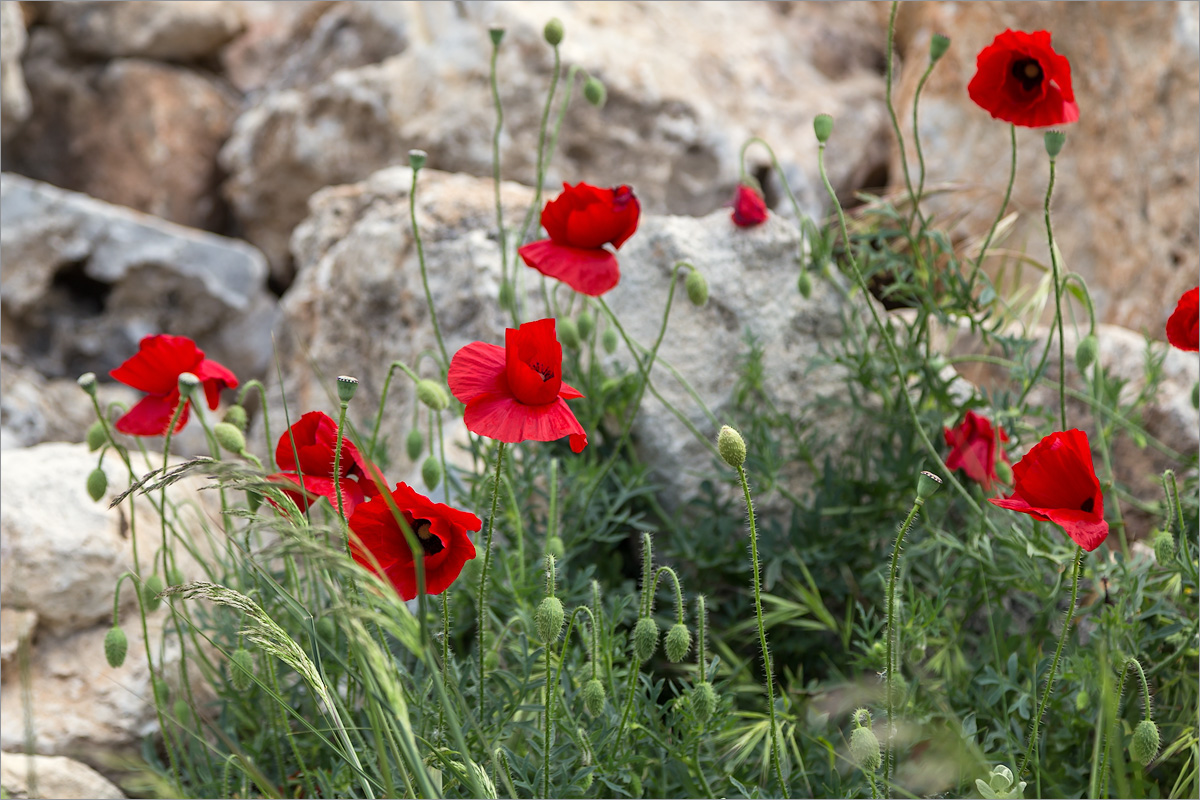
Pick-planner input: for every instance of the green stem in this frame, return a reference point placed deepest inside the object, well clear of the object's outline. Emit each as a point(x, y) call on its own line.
point(483, 579)
point(917, 138)
point(416, 231)
point(548, 713)
point(503, 235)
point(891, 35)
point(387, 383)
point(1012, 176)
point(1058, 315)
point(1106, 455)
point(262, 396)
point(634, 668)
point(541, 160)
point(337, 473)
point(892, 671)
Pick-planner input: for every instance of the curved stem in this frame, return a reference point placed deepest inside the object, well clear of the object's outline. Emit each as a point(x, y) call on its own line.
point(891, 654)
point(891, 35)
point(917, 140)
point(1012, 176)
point(501, 233)
point(387, 383)
point(1058, 315)
point(262, 396)
point(483, 578)
point(416, 231)
point(678, 589)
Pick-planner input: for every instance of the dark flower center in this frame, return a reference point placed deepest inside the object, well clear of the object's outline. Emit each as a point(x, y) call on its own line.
point(431, 544)
point(1029, 72)
point(1088, 505)
point(545, 372)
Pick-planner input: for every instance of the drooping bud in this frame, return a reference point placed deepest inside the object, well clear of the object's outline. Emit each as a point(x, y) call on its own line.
point(497, 35)
point(96, 436)
point(241, 669)
point(431, 472)
point(697, 288)
point(568, 334)
point(188, 383)
point(1054, 143)
point(416, 159)
point(151, 590)
point(87, 382)
point(1164, 547)
point(731, 446)
point(1082, 701)
point(229, 437)
point(1196, 395)
point(555, 546)
point(182, 712)
point(174, 576)
point(97, 484)
point(594, 696)
point(1143, 747)
point(346, 387)
point(553, 32)
point(864, 749)
point(804, 284)
point(823, 127)
point(678, 642)
point(432, 395)
point(585, 322)
point(938, 46)
point(414, 444)
point(704, 700)
point(928, 485)
point(235, 415)
point(1004, 472)
point(116, 645)
point(594, 91)
point(549, 618)
point(1085, 352)
point(645, 639)
point(609, 340)
point(162, 692)
point(326, 630)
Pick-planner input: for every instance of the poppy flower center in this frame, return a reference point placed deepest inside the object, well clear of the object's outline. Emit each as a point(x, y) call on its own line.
point(1087, 505)
point(1028, 72)
point(545, 372)
point(431, 544)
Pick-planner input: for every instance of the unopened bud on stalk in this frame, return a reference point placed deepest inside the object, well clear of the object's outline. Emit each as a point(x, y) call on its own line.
point(864, 749)
point(431, 472)
point(1054, 143)
point(162, 692)
point(645, 639)
point(938, 46)
point(568, 333)
point(432, 395)
point(697, 288)
point(1082, 701)
point(1085, 352)
point(804, 284)
point(96, 436)
point(731, 446)
point(594, 91)
point(241, 669)
point(326, 630)
point(585, 322)
point(87, 382)
point(678, 642)
point(549, 619)
point(704, 701)
point(97, 484)
point(928, 485)
point(555, 546)
point(553, 32)
point(594, 696)
point(1143, 747)
point(414, 445)
point(416, 159)
point(346, 387)
point(116, 645)
point(1164, 547)
point(174, 576)
point(823, 127)
point(235, 415)
point(151, 590)
point(507, 298)
point(1004, 472)
point(609, 340)
point(229, 437)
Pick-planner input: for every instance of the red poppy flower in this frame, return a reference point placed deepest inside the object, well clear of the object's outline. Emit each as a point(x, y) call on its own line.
point(749, 208)
point(1183, 328)
point(1056, 482)
point(516, 392)
point(580, 222)
point(974, 449)
point(1020, 79)
point(155, 369)
point(310, 465)
point(379, 543)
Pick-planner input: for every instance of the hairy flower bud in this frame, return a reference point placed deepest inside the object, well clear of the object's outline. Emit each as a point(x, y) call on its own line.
point(568, 333)
point(609, 340)
point(414, 445)
point(549, 619)
point(697, 288)
point(235, 415)
point(162, 692)
point(864, 749)
point(241, 669)
point(87, 382)
point(97, 484)
point(182, 712)
point(555, 546)
point(823, 127)
point(151, 590)
point(116, 645)
point(1143, 747)
point(585, 322)
point(174, 576)
point(1004, 472)
point(594, 91)
point(938, 46)
point(229, 437)
point(704, 701)
point(431, 472)
point(553, 31)
point(326, 630)
point(1085, 351)
point(804, 284)
point(678, 642)
point(594, 696)
point(1054, 143)
point(507, 298)
point(1082, 701)
point(432, 395)
point(731, 446)
point(645, 639)
point(96, 436)
point(1164, 547)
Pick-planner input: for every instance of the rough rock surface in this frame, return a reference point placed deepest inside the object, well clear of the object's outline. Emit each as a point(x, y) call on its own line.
point(181, 30)
point(675, 118)
point(134, 132)
point(15, 625)
point(1126, 197)
point(14, 96)
point(84, 281)
point(53, 776)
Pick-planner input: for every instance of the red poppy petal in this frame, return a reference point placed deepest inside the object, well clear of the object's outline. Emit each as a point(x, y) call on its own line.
point(476, 370)
point(588, 271)
point(506, 420)
point(1087, 530)
point(749, 208)
point(151, 416)
point(156, 367)
point(320, 486)
point(1057, 472)
point(215, 377)
point(996, 90)
point(456, 554)
point(628, 211)
point(1015, 503)
point(533, 362)
point(569, 392)
point(1183, 326)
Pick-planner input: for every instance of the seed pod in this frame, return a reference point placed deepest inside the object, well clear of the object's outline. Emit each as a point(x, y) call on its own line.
point(1143, 747)
point(927, 484)
point(645, 639)
point(549, 619)
point(609, 340)
point(414, 445)
point(116, 645)
point(938, 46)
point(97, 484)
point(151, 590)
point(431, 472)
point(96, 436)
point(594, 696)
point(678, 642)
point(229, 437)
point(241, 669)
point(704, 701)
point(731, 446)
point(1054, 143)
point(87, 382)
point(864, 749)
point(823, 127)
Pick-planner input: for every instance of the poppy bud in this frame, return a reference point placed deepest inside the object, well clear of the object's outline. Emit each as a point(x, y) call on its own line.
point(1143, 747)
point(927, 484)
point(553, 32)
point(497, 35)
point(823, 127)
point(97, 484)
point(568, 334)
point(731, 446)
point(87, 382)
point(151, 590)
point(346, 387)
point(549, 619)
point(182, 711)
point(594, 91)
point(585, 322)
point(864, 749)
point(1164, 547)
point(645, 639)
point(1004, 472)
point(938, 46)
point(432, 395)
point(116, 645)
point(253, 500)
point(678, 642)
point(593, 696)
point(704, 701)
point(229, 437)
point(1196, 395)
point(416, 159)
point(326, 630)
point(491, 660)
point(1082, 701)
point(804, 284)
point(188, 383)
point(241, 669)
point(555, 547)
point(506, 296)
point(96, 436)
point(635, 785)
point(1085, 352)
point(414, 444)
point(161, 691)
point(609, 340)
point(174, 576)
point(236, 416)
point(1054, 143)
point(697, 288)
point(431, 472)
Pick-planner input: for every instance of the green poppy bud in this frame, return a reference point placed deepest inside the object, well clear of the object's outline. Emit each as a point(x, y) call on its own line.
point(253, 500)
point(162, 692)
point(507, 296)
point(864, 749)
point(635, 785)
point(174, 576)
point(491, 660)
point(594, 696)
point(97, 484)
point(416, 159)
point(645, 639)
point(1196, 396)
point(731, 446)
point(549, 619)
point(229, 437)
point(1143, 747)
point(432, 395)
point(1082, 701)
point(704, 701)
point(678, 642)
point(594, 91)
point(927, 485)
point(697, 288)
point(555, 547)
point(585, 322)
point(241, 669)
point(1164, 547)
point(609, 340)
point(497, 35)
point(823, 127)
point(553, 32)
point(938, 46)
point(1054, 143)
point(96, 436)
point(804, 284)
point(586, 783)
point(568, 334)
point(414, 444)
point(236, 416)
point(151, 590)
point(1085, 352)
point(182, 712)
point(1004, 472)
point(326, 630)
point(431, 472)
point(346, 387)
point(87, 382)
point(116, 645)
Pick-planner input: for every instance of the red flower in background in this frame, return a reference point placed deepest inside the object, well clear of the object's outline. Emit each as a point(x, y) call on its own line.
point(310, 465)
point(1020, 79)
point(749, 208)
point(580, 221)
point(516, 392)
point(974, 449)
point(379, 543)
point(1056, 482)
point(155, 369)
point(1183, 327)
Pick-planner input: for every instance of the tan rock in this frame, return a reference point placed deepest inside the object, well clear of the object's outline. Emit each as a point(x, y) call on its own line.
point(1126, 205)
point(14, 96)
point(53, 776)
point(181, 30)
point(15, 625)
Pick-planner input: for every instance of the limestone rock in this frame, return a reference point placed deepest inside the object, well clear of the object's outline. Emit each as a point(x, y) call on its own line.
point(14, 97)
point(54, 776)
point(84, 281)
point(134, 132)
point(1127, 190)
point(15, 625)
point(182, 30)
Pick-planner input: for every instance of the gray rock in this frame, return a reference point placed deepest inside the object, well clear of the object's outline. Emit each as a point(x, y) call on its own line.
point(84, 281)
point(14, 96)
point(182, 30)
point(53, 776)
point(15, 625)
